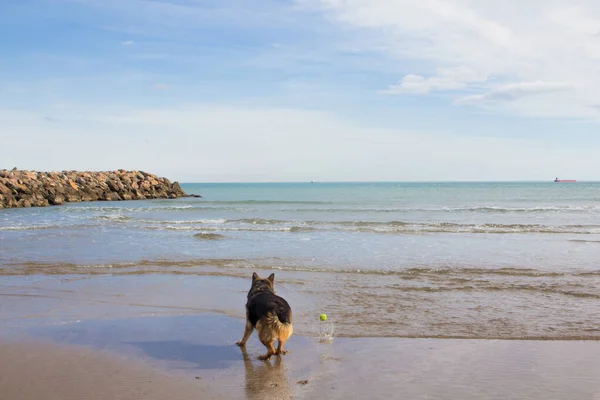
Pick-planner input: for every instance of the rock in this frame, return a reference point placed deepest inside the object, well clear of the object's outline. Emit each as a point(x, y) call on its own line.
point(39, 189)
point(110, 196)
point(112, 185)
point(209, 236)
point(89, 196)
point(56, 199)
point(4, 189)
point(145, 186)
point(24, 203)
point(137, 195)
point(71, 195)
point(41, 202)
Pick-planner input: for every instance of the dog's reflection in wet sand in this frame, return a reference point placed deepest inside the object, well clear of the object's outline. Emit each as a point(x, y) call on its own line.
point(266, 379)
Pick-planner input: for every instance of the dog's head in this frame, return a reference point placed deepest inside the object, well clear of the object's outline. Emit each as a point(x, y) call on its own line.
point(262, 285)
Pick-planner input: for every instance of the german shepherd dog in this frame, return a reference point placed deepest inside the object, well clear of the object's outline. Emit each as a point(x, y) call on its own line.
point(270, 314)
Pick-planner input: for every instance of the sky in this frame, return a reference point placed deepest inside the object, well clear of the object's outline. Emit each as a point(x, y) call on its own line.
point(301, 90)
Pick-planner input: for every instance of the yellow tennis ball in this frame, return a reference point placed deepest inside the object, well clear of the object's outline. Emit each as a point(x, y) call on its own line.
point(323, 317)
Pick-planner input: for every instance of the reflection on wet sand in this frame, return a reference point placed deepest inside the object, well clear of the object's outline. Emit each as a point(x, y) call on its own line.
point(266, 379)
point(199, 352)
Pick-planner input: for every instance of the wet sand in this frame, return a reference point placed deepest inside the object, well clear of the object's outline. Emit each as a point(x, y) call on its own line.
point(74, 337)
point(188, 357)
point(33, 370)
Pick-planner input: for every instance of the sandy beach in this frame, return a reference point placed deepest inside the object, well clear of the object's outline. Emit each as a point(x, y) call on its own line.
point(57, 347)
point(43, 370)
point(359, 368)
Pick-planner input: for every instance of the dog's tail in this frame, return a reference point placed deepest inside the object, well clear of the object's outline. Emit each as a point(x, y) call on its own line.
point(281, 325)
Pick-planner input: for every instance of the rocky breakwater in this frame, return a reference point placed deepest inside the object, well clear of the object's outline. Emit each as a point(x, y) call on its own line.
point(40, 189)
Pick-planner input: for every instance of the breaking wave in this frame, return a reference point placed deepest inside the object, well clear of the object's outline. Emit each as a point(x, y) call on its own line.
point(387, 227)
point(445, 273)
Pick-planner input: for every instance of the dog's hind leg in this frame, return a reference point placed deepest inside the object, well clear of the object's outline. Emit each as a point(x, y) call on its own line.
point(270, 351)
point(285, 331)
point(280, 349)
point(247, 333)
point(267, 337)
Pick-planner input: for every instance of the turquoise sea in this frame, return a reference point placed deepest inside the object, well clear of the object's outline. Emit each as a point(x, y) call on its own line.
point(499, 260)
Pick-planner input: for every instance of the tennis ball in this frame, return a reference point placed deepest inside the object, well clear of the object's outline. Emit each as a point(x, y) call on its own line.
point(323, 317)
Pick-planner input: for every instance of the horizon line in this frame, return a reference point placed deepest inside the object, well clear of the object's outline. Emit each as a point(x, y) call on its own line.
point(448, 181)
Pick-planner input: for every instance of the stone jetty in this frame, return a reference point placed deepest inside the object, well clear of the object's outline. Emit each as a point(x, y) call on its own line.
point(20, 188)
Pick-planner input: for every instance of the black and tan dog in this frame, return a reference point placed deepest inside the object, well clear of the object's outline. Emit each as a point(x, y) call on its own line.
point(270, 314)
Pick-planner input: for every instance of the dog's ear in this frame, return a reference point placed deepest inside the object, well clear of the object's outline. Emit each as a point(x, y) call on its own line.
point(271, 278)
point(254, 276)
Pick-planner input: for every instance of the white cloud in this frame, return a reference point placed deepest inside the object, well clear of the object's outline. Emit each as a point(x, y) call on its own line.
point(446, 79)
point(160, 86)
point(515, 92)
point(127, 43)
point(510, 43)
point(201, 142)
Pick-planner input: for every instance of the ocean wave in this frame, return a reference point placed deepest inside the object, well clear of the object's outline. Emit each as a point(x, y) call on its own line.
point(29, 227)
point(456, 274)
point(445, 227)
point(112, 217)
point(291, 228)
point(43, 227)
point(354, 209)
point(500, 286)
point(535, 209)
point(467, 209)
point(376, 227)
point(266, 202)
point(324, 207)
point(470, 271)
point(213, 221)
point(359, 226)
point(127, 207)
point(220, 221)
point(362, 282)
point(334, 210)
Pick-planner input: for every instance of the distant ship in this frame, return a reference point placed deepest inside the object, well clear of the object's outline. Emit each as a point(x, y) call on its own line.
point(564, 180)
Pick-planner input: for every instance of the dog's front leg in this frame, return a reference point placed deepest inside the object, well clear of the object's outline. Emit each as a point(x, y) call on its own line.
point(247, 333)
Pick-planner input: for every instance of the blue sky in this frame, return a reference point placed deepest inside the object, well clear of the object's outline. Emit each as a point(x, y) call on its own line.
point(274, 90)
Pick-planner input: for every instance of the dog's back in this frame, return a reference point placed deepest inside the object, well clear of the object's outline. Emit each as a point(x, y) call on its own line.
point(264, 304)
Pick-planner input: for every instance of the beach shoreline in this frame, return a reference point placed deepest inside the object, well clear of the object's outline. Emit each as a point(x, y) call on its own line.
point(131, 291)
point(63, 346)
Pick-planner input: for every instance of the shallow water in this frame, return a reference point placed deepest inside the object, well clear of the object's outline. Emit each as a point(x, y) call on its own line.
point(452, 260)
